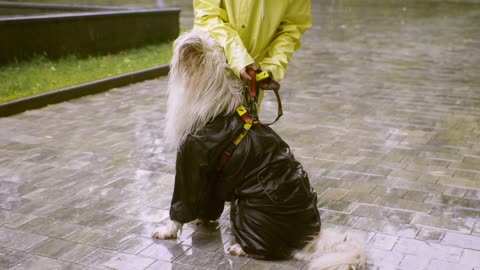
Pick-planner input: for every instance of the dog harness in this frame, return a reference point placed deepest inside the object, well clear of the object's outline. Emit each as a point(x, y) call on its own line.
point(249, 114)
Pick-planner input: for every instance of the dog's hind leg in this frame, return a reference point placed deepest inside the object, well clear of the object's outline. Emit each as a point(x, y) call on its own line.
point(236, 250)
point(168, 231)
point(198, 221)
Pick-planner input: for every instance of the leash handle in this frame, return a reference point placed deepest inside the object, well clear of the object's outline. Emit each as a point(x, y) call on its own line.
point(275, 89)
point(272, 85)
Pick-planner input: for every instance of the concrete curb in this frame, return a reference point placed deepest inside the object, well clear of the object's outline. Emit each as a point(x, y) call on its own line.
point(94, 87)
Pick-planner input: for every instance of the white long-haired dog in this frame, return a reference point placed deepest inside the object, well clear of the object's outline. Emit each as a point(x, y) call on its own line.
point(201, 88)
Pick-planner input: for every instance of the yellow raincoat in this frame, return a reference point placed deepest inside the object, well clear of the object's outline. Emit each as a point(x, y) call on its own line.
point(265, 32)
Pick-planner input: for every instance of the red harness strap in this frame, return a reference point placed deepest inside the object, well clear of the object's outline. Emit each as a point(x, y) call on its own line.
point(249, 122)
point(249, 114)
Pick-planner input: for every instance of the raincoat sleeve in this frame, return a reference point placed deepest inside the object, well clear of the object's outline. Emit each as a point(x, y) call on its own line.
point(192, 184)
point(211, 18)
point(296, 21)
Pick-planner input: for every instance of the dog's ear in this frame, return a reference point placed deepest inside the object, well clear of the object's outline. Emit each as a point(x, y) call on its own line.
point(192, 53)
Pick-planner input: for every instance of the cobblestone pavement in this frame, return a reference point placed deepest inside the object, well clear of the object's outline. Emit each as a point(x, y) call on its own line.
point(382, 106)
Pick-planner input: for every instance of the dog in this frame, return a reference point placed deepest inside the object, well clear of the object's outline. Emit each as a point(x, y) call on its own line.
point(273, 208)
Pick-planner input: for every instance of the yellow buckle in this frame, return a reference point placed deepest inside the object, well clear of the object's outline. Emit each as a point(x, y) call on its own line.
point(262, 76)
point(241, 110)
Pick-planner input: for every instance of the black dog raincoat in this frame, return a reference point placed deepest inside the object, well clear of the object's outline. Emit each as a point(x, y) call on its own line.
point(273, 207)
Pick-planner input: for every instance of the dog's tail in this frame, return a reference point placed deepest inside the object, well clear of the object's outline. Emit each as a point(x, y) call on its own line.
point(332, 250)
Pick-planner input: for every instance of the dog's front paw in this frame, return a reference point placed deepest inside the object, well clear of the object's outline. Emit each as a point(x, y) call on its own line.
point(163, 233)
point(168, 231)
point(236, 250)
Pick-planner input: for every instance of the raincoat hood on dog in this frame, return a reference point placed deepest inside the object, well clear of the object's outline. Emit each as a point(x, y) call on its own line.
point(266, 32)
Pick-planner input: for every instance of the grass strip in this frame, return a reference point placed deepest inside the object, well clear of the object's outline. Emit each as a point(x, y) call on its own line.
point(40, 74)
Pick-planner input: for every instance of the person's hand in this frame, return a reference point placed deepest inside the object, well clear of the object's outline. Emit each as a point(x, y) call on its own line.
point(244, 71)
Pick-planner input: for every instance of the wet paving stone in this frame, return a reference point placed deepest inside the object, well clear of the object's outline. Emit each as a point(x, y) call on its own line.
point(400, 216)
point(387, 227)
point(381, 109)
point(441, 265)
point(209, 240)
point(339, 218)
point(430, 234)
point(371, 211)
point(360, 197)
point(460, 224)
point(165, 251)
point(336, 205)
point(52, 248)
point(414, 262)
point(383, 241)
point(99, 220)
point(405, 204)
point(134, 245)
point(162, 265)
point(205, 260)
point(15, 189)
point(19, 240)
point(113, 260)
point(430, 250)
point(44, 263)
point(384, 258)
point(78, 253)
point(470, 257)
point(461, 240)
point(84, 235)
point(124, 225)
point(282, 265)
point(11, 257)
point(12, 203)
point(109, 240)
point(11, 219)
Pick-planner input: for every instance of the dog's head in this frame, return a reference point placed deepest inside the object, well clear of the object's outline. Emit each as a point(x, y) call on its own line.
point(201, 86)
point(196, 52)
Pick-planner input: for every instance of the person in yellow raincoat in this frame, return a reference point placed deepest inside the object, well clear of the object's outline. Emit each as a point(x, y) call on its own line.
point(255, 33)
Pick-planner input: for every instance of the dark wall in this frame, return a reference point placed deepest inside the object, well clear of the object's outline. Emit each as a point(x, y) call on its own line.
point(85, 33)
point(14, 9)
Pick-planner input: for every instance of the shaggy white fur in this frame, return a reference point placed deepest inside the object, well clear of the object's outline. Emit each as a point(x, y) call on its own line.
point(201, 86)
point(332, 250)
